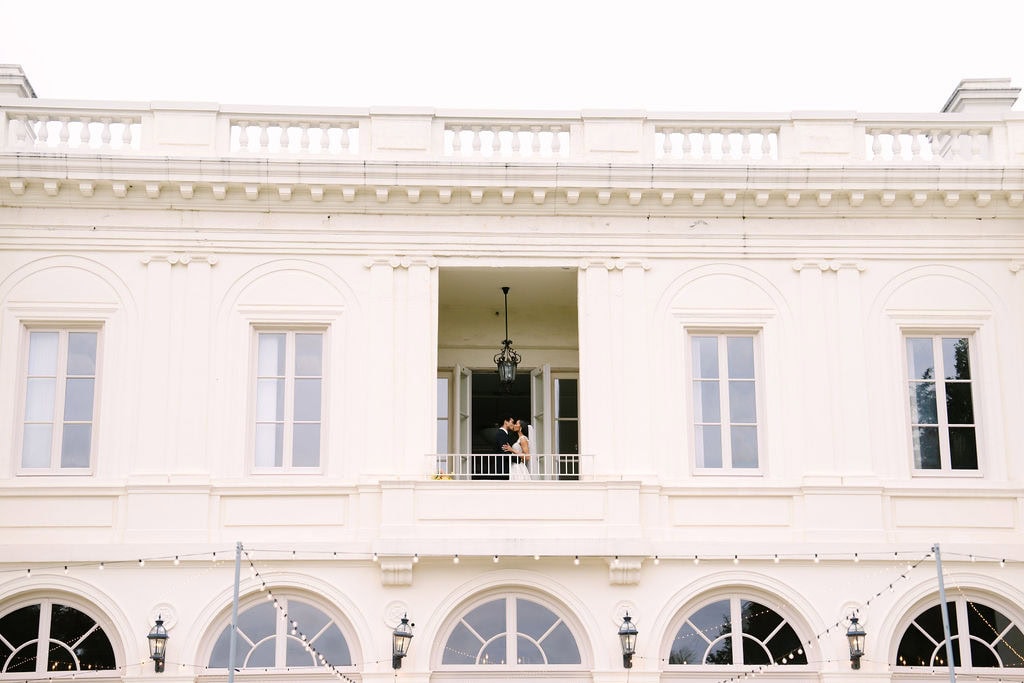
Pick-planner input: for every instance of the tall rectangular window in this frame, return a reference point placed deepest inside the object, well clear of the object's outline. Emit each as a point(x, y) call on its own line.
point(724, 401)
point(567, 415)
point(289, 398)
point(443, 408)
point(60, 398)
point(941, 403)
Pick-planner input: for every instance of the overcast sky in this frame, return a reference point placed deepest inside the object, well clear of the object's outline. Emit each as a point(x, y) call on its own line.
point(724, 55)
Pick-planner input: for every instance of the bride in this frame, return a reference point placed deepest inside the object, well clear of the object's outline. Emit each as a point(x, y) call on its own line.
point(520, 452)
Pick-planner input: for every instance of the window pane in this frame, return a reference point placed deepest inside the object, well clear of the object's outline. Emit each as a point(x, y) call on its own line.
point(75, 447)
point(310, 619)
point(567, 435)
point(923, 408)
point(258, 622)
point(296, 654)
point(309, 355)
point(744, 446)
point(754, 652)
point(39, 399)
point(709, 446)
point(442, 436)
point(758, 621)
point(560, 647)
point(488, 619)
point(956, 360)
point(19, 627)
point(533, 619)
point(712, 620)
point(494, 652)
point(740, 352)
point(706, 402)
point(306, 445)
point(35, 449)
point(1011, 648)
point(963, 448)
point(705, 357)
point(920, 361)
point(42, 353)
point(720, 652)
point(462, 646)
point(332, 645)
point(687, 648)
point(915, 648)
point(528, 653)
point(81, 353)
point(307, 400)
point(67, 624)
point(271, 355)
point(926, 448)
point(269, 445)
point(786, 641)
point(78, 395)
point(959, 406)
point(262, 656)
point(742, 405)
point(442, 398)
point(983, 655)
point(269, 400)
point(567, 391)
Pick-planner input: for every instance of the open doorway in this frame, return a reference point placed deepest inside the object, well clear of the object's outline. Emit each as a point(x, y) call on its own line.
point(491, 404)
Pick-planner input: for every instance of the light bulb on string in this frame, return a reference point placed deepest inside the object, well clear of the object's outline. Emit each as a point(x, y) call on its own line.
point(696, 560)
point(816, 559)
point(856, 557)
point(735, 559)
point(536, 556)
point(176, 561)
point(142, 563)
point(495, 559)
point(576, 560)
point(375, 557)
point(101, 566)
point(776, 558)
point(455, 560)
point(65, 570)
point(415, 558)
point(657, 560)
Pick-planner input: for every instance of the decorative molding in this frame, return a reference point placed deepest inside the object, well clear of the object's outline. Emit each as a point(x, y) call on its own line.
point(698, 198)
point(624, 571)
point(165, 611)
point(828, 264)
point(406, 262)
point(621, 609)
point(667, 198)
point(180, 259)
point(396, 571)
point(393, 613)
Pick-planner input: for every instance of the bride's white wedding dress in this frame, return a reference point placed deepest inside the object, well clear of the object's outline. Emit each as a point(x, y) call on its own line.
point(518, 471)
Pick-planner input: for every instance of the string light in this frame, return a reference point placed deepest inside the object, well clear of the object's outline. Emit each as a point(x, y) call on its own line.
point(176, 561)
point(536, 556)
point(455, 560)
point(696, 560)
point(776, 558)
point(495, 559)
point(415, 558)
point(375, 557)
point(816, 560)
point(142, 563)
point(856, 557)
point(735, 559)
point(101, 566)
point(576, 560)
point(657, 560)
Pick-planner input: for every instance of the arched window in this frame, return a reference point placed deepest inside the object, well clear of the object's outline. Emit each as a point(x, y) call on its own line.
point(737, 631)
point(268, 639)
point(48, 636)
point(511, 630)
point(982, 637)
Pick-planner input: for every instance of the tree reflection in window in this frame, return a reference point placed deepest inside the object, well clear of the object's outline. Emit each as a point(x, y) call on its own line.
point(51, 637)
point(992, 640)
point(267, 640)
point(539, 637)
point(707, 636)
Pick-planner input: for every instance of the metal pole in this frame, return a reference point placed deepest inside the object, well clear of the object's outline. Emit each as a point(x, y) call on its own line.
point(945, 614)
point(234, 614)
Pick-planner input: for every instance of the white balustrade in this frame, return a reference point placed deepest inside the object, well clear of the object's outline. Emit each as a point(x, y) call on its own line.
point(56, 130)
point(923, 142)
point(328, 137)
point(507, 139)
point(705, 143)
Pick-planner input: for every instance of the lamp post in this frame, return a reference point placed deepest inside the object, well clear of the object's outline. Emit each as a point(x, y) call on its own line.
point(400, 640)
point(506, 359)
point(627, 638)
point(855, 634)
point(158, 645)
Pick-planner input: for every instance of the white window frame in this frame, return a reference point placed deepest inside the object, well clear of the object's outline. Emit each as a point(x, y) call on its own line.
point(289, 330)
point(63, 329)
point(945, 459)
point(556, 419)
point(721, 334)
point(448, 408)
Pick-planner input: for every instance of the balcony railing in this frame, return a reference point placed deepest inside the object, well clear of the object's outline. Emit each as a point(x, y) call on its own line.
point(488, 467)
point(429, 136)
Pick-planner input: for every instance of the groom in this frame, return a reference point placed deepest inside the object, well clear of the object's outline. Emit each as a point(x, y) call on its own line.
point(503, 440)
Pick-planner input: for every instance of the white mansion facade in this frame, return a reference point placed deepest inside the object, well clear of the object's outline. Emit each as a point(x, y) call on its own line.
point(769, 361)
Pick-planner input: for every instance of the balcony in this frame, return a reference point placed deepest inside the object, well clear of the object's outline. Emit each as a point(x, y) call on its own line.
point(491, 467)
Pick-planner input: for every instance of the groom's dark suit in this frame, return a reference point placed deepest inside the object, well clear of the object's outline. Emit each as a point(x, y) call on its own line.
point(500, 464)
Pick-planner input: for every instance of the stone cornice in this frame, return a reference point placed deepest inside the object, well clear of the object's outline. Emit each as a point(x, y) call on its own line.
point(774, 189)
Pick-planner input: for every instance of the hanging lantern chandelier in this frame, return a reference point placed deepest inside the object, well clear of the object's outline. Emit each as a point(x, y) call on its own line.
point(507, 359)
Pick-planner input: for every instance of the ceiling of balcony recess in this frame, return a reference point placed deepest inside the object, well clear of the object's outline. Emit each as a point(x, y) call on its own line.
point(529, 288)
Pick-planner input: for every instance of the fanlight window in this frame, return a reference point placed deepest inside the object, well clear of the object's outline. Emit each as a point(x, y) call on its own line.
point(709, 636)
point(50, 637)
point(990, 639)
point(268, 640)
point(511, 630)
